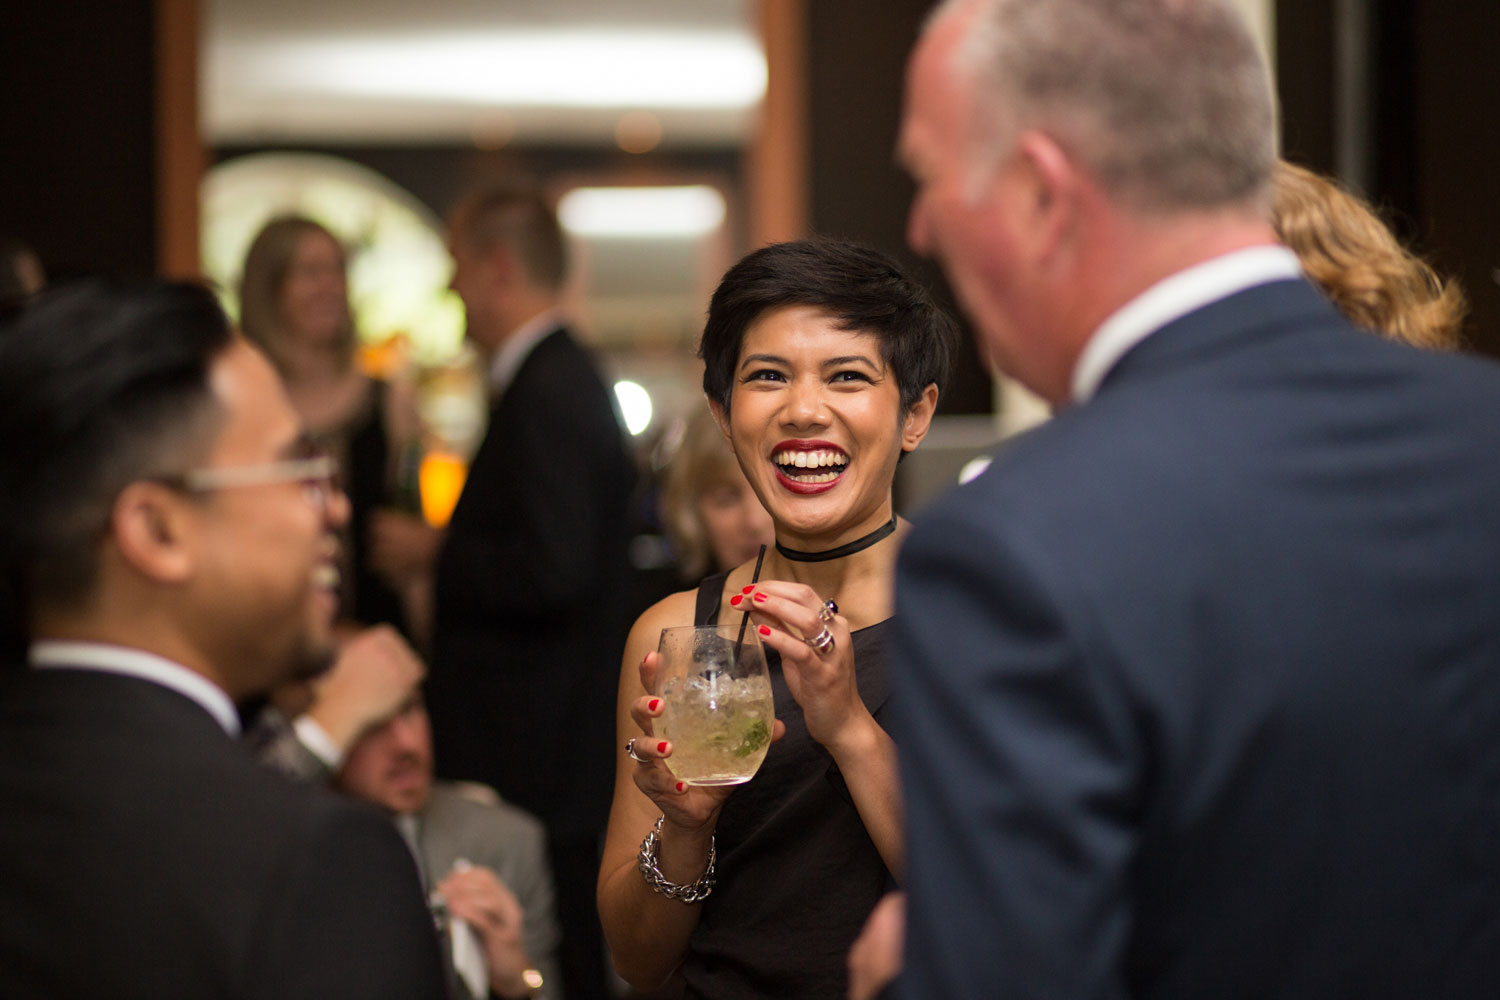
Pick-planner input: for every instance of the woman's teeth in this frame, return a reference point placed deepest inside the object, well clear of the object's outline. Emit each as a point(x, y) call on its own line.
point(326, 575)
point(791, 462)
point(821, 477)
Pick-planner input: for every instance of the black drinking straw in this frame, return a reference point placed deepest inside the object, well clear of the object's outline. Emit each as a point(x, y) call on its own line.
point(754, 578)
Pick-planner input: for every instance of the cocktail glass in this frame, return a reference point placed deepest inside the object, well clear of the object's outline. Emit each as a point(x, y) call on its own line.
point(718, 709)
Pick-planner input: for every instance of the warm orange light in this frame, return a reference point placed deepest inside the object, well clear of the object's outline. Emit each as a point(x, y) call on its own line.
point(441, 480)
point(382, 360)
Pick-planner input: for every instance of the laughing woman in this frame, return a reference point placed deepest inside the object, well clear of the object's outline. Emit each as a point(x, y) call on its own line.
point(822, 367)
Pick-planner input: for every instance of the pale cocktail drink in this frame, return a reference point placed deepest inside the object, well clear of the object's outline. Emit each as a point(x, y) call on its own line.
point(718, 737)
point(718, 709)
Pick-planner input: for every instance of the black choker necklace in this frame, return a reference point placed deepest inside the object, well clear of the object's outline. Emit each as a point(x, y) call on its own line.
point(858, 545)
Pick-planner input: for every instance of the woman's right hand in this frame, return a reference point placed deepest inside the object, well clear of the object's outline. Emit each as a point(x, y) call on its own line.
point(689, 807)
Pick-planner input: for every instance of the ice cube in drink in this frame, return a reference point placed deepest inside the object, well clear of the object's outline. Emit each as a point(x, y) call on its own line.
point(720, 728)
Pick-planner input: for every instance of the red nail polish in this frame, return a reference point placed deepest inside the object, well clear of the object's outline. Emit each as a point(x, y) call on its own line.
point(748, 589)
point(653, 704)
point(735, 600)
point(680, 786)
point(765, 630)
point(759, 598)
point(661, 747)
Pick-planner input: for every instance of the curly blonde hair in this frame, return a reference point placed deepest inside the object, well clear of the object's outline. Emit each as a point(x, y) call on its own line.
point(1351, 254)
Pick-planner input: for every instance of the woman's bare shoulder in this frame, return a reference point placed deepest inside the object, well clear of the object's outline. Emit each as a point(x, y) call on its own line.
point(674, 609)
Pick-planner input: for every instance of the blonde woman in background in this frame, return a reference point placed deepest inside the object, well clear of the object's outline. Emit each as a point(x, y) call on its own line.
point(294, 304)
point(712, 516)
point(1352, 255)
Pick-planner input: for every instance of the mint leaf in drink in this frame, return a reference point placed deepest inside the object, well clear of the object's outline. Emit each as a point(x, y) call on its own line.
point(755, 736)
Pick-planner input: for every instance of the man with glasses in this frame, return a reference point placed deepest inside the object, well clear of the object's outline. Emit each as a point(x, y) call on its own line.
point(170, 539)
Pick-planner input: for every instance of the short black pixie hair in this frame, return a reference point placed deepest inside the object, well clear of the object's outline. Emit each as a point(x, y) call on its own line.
point(862, 287)
point(101, 384)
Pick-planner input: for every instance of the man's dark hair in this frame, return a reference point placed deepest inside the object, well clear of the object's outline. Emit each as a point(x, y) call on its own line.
point(101, 385)
point(865, 290)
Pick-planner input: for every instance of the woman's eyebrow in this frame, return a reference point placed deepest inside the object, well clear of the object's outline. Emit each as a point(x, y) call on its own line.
point(764, 359)
point(850, 359)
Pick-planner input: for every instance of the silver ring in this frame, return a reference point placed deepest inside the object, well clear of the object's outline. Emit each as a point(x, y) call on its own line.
point(822, 642)
point(630, 752)
point(828, 610)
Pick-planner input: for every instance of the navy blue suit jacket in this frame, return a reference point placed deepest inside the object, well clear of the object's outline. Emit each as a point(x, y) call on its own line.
point(1199, 685)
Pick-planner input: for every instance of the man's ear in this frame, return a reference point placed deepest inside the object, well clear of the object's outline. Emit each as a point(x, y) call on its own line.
point(1053, 187)
point(918, 420)
point(154, 529)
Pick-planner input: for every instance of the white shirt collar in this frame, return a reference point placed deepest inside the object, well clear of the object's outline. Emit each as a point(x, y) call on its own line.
point(513, 353)
point(1172, 298)
point(54, 654)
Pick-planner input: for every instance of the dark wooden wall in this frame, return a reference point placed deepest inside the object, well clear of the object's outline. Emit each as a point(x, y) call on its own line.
point(856, 74)
point(77, 133)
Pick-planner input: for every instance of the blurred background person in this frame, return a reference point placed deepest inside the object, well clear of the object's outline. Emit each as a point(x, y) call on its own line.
point(21, 273)
point(1353, 256)
point(712, 517)
point(532, 574)
point(485, 859)
point(294, 304)
point(305, 728)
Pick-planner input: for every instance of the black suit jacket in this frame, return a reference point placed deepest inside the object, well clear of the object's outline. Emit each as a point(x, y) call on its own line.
point(143, 853)
point(531, 596)
point(1199, 684)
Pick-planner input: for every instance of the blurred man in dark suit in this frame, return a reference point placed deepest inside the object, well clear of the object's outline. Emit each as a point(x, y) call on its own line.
point(1200, 681)
point(172, 542)
point(531, 605)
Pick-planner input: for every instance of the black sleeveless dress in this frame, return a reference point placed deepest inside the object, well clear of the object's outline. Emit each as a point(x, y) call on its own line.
point(797, 873)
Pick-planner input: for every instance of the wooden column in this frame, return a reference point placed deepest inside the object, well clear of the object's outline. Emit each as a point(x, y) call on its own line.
point(776, 163)
point(180, 157)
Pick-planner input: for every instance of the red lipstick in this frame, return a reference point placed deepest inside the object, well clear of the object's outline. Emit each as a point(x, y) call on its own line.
point(801, 444)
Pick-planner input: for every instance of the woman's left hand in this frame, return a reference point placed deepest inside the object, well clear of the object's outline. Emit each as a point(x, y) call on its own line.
point(820, 676)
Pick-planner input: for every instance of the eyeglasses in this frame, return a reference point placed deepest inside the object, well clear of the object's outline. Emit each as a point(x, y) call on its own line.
point(316, 471)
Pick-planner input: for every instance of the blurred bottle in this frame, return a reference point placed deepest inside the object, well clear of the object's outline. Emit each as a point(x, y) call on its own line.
point(406, 479)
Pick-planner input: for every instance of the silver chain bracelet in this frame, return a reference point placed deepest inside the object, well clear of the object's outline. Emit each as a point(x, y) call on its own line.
point(693, 892)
